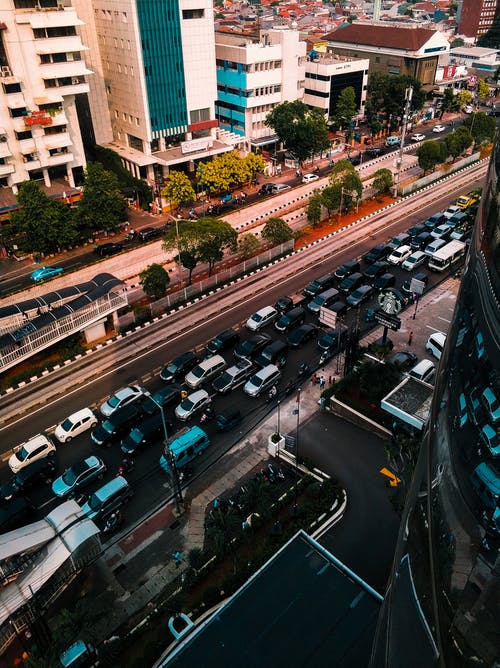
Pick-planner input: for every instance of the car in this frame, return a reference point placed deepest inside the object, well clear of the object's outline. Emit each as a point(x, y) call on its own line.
point(229, 419)
point(360, 295)
point(333, 340)
point(415, 230)
point(179, 367)
point(494, 111)
point(346, 269)
point(435, 344)
point(433, 247)
point(159, 400)
point(124, 396)
point(378, 252)
point(434, 220)
point(417, 136)
point(406, 287)
point(149, 431)
point(351, 282)
point(466, 201)
point(249, 348)
point(416, 259)
point(375, 270)
point(323, 299)
point(206, 370)
point(223, 341)
point(192, 404)
point(275, 353)
point(402, 239)
point(319, 284)
point(35, 448)
point(13, 515)
point(308, 178)
point(42, 273)
point(109, 249)
point(468, 109)
point(462, 415)
point(438, 128)
point(490, 439)
point(441, 232)
point(385, 281)
point(339, 307)
point(399, 255)
point(491, 405)
point(474, 407)
point(79, 475)
point(421, 241)
point(300, 335)
point(290, 319)
point(263, 317)
point(287, 303)
point(393, 141)
point(375, 151)
point(75, 424)
point(266, 189)
point(148, 233)
point(107, 499)
point(404, 359)
point(233, 377)
point(451, 211)
point(120, 422)
point(41, 470)
point(355, 159)
point(280, 188)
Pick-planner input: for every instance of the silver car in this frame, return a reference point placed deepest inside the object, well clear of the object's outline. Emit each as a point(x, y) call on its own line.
point(192, 404)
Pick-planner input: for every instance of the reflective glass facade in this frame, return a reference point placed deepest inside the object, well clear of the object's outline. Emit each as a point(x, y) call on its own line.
point(443, 604)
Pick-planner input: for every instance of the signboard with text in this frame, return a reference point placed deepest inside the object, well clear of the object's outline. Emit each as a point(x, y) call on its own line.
point(390, 321)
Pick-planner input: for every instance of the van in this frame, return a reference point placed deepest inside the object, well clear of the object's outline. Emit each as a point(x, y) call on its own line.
point(434, 246)
point(148, 432)
point(323, 299)
point(423, 371)
point(319, 285)
point(187, 444)
point(262, 381)
point(351, 282)
point(290, 319)
point(486, 483)
point(107, 499)
point(393, 140)
point(204, 371)
point(274, 353)
point(435, 344)
point(229, 419)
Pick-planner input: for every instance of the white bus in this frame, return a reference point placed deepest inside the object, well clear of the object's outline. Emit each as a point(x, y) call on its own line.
point(447, 255)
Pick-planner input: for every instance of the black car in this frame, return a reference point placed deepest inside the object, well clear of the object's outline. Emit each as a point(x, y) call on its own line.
point(40, 470)
point(109, 249)
point(165, 396)
point(333, 340)
point(421, 241)
point(179, 367)
point(301, 335)
point(375, 270)
point(117, 424)
point(403, 359)
point(266, 189)
point(385, 281)
point(223, 341)
point(16, 513)
point(351, 282)
point(355, 159)
point(252, 346)
point(290, 319)
point(434, 220)
point(346, 269)
point(319, 285)
point(375, 151)
point(284, 304)
point(275, 353)
point(148, 233)
point(415, 230)
point(419, 277)
point(228, 420)
point(378, 252)
point(360, 295)
point(150, 431)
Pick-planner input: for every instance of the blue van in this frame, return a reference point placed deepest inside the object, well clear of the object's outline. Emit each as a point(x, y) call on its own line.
point(184, 447)
point(486, 482)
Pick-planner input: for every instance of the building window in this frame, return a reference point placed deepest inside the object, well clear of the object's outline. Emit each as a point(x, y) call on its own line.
point(124, 17)
point(198, 115)
point(193, 13)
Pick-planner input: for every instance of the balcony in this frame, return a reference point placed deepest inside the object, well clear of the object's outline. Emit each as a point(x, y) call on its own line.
point(15, 100)
point(7, 169)
point(59, 159)
point(71, 68)
point(31, 162)
point(59, 140)
point(5, 151)
point(27, 146)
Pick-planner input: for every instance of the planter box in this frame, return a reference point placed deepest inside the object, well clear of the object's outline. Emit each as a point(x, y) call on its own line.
point(274, 448)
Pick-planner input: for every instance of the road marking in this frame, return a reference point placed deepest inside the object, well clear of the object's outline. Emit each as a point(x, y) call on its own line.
point(444, 319)
point(433, 328)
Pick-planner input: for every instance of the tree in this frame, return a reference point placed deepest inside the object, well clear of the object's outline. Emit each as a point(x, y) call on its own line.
point(491, 39)
point(382, 181)
point(456, 43)
point(330, 197)
point(303, 131)
point(450, 101)
point(463, 97)
point(248, 245)
point(313, 209)
point(102, 206)
point(222, 527)
point(458, 142)
point(277, 231)
point(483, 89)
point(178, 189)
point(345, 109)
point(82, 621)
point(386, 94)
point(255, 163)
point(481, 127)
point(154, 280)
point(127, 182)
point(224, 172)
point(46, 224)
point(188, 259)
point(216, 236)
point(429, 155)
point(346, 178)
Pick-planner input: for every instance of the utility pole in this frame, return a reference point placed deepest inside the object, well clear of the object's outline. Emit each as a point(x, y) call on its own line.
point(399, 161)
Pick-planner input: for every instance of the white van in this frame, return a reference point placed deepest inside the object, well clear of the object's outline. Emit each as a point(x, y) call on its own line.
point(263, 380)
point(423, 371)
point(435, 344)
point(204, 371)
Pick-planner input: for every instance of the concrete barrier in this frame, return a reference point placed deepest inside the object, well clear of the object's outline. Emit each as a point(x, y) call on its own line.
point(351, 415)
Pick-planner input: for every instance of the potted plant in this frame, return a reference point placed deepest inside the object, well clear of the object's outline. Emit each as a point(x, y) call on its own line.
point(276, 441)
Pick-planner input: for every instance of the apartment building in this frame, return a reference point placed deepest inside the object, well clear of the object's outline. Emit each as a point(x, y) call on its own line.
point(475, 17)
point(254, 74)
point(41, 72)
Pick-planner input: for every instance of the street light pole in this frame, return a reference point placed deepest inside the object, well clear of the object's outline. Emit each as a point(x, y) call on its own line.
point(408, 97)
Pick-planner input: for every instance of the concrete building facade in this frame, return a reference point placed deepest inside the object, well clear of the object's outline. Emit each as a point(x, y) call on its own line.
point(476, 17)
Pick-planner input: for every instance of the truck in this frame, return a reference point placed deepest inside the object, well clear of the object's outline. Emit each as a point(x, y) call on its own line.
point(287, 303)
point(465, 201)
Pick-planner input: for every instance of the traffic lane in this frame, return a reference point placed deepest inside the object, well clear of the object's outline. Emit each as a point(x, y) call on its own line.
point(366, 536)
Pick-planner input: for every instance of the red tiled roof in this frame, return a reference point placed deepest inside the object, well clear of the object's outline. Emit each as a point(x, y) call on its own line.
point(393, 37)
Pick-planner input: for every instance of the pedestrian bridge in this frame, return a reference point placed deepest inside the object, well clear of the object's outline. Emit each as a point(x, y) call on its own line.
point(31, 326)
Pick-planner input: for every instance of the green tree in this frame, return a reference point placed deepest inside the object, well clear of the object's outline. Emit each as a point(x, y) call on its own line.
point(346, 178)
point(457, 43)
point(481, 126)
point(345, 109)
point(491, 39)
point(382, 181)
point(386, 94)
point(483, 89)
point(155, 280)
point(46, 224)
point(458, 142)
point(188, 259)
point(303, 131)
point(313, 208)
point(82, 620)
point(429, 155)
point(463, 97)
point(450, 101)
point(178, 189)
point(102, 206)
point(111, 162)
point(330, 197)
point(277, 231)
point(248, 245)
point(222, 527)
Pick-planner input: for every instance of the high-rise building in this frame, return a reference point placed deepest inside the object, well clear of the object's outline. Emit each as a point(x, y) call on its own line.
point(443, 603)
point(41, 73)
point(476, 17)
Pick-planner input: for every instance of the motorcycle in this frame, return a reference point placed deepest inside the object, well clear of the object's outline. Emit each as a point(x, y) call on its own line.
point(272, 393)
point(127, 466)
point(304, 370)
point(113, 522)
point(207, 415)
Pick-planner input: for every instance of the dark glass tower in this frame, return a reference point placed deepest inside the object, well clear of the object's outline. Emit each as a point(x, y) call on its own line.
point(443, 604)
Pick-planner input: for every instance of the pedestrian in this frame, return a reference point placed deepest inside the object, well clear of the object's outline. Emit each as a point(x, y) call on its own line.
point(297, 173)
point(177, 557)
point(216, 503)
point(322, 383)
point(314, 379)
point(410, 338)
point(330, 380)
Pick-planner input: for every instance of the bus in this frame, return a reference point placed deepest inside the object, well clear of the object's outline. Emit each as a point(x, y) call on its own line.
point(447, 255)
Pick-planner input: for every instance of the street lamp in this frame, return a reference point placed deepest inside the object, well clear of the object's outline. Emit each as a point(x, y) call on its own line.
point(176, 483)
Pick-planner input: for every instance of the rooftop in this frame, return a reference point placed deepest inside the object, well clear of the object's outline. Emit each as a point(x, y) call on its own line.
point(389, 36)
point(412, 397)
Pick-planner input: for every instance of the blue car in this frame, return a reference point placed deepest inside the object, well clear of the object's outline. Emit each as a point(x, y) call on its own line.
point(43, 273)
point(79, 475)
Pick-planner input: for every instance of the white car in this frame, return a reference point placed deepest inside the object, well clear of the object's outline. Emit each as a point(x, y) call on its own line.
point(468, 109)
point(307, 178)
point(261, 318)
point(400, 254)
point(25, 454)
point(121, 398)
point(438, 128)
point(416, 259)
point(75, 424)
point(193, 403)
point(418, 136)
